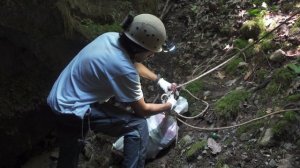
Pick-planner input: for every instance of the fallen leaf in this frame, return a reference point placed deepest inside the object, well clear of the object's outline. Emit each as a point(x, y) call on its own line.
point(293, 53)
point(269, 110)
point(248, 74)
point(220, 75)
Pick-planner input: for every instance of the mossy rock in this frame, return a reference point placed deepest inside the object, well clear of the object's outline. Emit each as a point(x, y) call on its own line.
point(229, 105)
point(195, 149)
point(250, 29)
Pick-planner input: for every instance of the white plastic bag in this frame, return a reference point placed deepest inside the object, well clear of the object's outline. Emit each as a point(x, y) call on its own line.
point(162, 128)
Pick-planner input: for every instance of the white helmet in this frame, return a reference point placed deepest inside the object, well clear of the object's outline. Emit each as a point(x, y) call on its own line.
point(147, 31)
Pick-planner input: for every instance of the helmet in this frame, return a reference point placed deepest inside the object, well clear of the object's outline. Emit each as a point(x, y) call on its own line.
point(147, 31)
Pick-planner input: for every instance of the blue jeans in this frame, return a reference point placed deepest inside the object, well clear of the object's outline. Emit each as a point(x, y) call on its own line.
point(109, 120)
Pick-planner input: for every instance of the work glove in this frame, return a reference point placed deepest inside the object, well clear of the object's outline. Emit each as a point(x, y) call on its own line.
point(172, 101)
point(166, 86)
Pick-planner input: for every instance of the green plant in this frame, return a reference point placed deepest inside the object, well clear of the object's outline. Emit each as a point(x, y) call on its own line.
point(240, 43)
point(272, 89)
point(250, 29)
point(232, 66)
point(92, 29)
point(261, 74)
point(195, 86)
point(195, 149)
point(290, 116)
point(279, 127)
point(194, 8)
point(229, 105)
point(284, 76)
point(287, 122)
point(294, 67)
point(294, 98)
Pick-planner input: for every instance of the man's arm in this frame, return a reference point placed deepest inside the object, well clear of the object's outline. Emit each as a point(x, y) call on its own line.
point(141, 108)
point(145, 72)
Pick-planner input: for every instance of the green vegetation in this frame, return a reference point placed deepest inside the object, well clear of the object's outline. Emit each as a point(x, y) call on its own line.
point(289, 118)
point(272, 89)
point(195, 86)
point(232, 66)
point(294, 67)
point(266, 43)
point(284, 76)
point(240, 43)
point(294, 98)
point(229, 105)
point(251, 29)
point(92, 29)
point(220, 163)
point(254, 126)
point(261, 74)
point(195, 149)
point(297, 23)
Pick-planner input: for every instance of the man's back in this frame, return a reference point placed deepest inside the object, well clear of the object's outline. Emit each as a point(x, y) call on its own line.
point(99, 71)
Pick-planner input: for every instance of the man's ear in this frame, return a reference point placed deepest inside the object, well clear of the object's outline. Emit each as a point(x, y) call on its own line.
point(139, 57)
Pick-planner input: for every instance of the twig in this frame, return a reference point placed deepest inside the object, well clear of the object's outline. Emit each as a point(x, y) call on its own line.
point(165, 10)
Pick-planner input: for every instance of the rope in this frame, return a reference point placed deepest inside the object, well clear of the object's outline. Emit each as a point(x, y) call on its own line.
point(237, 125)
point(198, 115)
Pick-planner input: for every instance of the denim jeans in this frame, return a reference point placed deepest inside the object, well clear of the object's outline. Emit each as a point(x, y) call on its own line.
point(109, 120)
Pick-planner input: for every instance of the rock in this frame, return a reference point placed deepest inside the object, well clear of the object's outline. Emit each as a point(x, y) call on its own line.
point(289, 146)
point(277, 56)
point(225, 166)
point(245, 137)
point(206, 93)
point(233, 144)
point(186, 140)
point(199, 157)
point(286, 162)
point(243, 64)
point(214, 146)
point(244, 156)
point(267, 137)
point(272, 163)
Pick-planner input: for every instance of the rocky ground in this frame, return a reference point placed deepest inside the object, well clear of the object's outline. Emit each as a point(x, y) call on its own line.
point(261, 80)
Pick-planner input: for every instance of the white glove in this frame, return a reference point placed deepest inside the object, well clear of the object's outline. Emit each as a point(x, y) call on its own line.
point(172, 101)
point(165, 86)
point(181, 106)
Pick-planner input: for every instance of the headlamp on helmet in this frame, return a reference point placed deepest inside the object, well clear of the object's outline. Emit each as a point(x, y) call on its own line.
point(169, 46)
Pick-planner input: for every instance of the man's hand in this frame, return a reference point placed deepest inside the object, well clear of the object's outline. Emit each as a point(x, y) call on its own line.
point(167, 86)
point(172, 101)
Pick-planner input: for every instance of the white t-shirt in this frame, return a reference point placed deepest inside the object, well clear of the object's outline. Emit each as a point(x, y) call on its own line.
point(99, 71)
